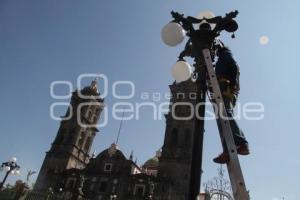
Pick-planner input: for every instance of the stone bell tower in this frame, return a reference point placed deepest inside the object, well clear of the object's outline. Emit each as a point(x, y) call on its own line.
point(72, 145)
point(176, 158)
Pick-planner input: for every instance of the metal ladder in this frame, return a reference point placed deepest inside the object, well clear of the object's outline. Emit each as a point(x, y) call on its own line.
point(234, 169)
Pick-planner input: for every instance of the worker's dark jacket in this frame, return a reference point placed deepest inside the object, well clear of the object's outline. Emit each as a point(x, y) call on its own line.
point(227, 72)
point(226, 67)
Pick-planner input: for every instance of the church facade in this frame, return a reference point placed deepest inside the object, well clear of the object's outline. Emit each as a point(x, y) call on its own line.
point(69, 171)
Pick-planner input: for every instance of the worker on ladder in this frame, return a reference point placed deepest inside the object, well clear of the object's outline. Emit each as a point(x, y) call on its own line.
point(227, 72)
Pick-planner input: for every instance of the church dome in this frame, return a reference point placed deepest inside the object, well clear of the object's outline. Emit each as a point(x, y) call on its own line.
point(151, 163)
point(111, 152)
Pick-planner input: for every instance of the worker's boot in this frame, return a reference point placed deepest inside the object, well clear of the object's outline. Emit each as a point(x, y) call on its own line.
point(243, 149)
point(222, 158)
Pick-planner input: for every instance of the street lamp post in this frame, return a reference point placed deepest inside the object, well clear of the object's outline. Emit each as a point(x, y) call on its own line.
point(204, 37)
point(11, 167)
point(113, 196)
point(49, 194)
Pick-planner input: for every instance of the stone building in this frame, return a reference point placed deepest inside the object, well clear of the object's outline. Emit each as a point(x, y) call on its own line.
point(71, 147)
point(71, 173)
point(176, 159)
point(110, 175)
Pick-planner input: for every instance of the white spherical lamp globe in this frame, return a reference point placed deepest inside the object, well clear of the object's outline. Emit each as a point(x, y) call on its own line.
point(172, 34)
point(13, 159)
point(207, 15)
point(181, 71)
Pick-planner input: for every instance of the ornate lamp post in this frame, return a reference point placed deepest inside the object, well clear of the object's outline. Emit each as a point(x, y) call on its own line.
point(113, 196)
point(11, 167)
point(204, 37)
point(49, 194)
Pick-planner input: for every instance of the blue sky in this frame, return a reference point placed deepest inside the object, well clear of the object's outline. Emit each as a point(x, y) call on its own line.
point(45, 41)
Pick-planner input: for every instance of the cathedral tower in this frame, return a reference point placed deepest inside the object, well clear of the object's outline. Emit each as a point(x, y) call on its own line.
point(176, 159)
point(72, 145)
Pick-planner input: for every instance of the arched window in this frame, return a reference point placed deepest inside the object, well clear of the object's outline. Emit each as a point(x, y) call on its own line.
point(87, 143)
point(94, 119)
point(174, 137)
point(90, 113)
point(187, 137)
point(103, 186)
point(81, 139)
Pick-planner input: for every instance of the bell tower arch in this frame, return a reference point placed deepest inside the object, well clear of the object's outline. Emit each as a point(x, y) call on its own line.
point(176, 159)
point(72, 144)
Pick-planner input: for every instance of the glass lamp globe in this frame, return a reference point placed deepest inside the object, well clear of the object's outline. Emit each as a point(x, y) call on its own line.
point(208, 15)
point(17, 172)
point(7, 168)
point(13, 159)
point(181, 71)
point(172, 34)
point(13, 172)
